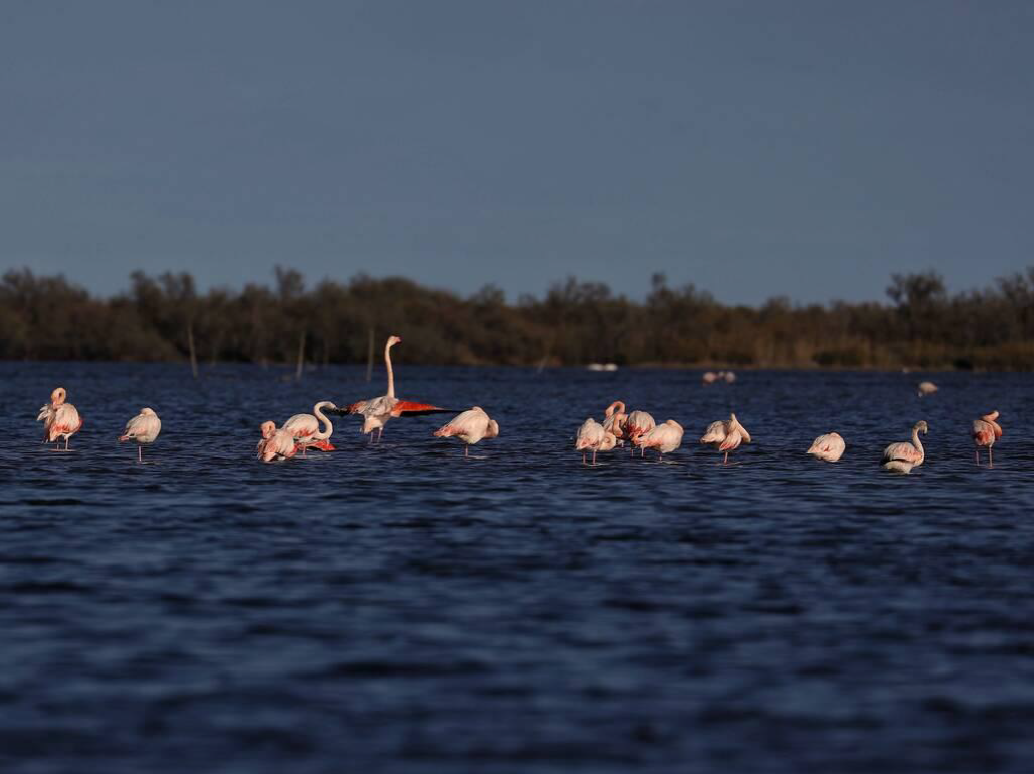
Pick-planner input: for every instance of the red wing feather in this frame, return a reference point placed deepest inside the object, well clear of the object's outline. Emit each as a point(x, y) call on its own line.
point(411, 408)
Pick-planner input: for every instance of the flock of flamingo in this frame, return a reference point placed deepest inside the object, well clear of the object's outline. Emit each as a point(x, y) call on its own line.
point(302, 432)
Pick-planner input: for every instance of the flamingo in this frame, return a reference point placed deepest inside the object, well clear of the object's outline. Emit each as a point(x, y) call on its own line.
point(143, 428)
point(60, 419)
point(926, 388)
point(377, 411)
point(666, 437)
point(729, 377)
point(828, 447)
point(986, 431)
point(306, 428)
point(725, 435)
point(903, 456)
point(275, 444)
point(469, 426)
point(615, 421)
point(591, 435)
point(638, 422)
point(709, 377)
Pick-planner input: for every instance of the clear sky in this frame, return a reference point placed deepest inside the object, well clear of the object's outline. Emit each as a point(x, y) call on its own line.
point(805, 149)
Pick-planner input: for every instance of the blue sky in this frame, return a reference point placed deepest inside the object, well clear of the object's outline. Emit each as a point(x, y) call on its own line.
point(806, 149)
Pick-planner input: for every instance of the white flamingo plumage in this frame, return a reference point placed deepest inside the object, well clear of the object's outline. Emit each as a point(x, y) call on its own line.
point(614, 422)
point(469, 426)
point(986, 431)
point(926, 388)
point(725, 435)
point(377, 411)
point(665, 437)
point(306, 428)
point(60, 419)
point(143, 428)
point(638, 422)
point(591, 437)
point(901, 457)
point(276, 444)
point(828, 447)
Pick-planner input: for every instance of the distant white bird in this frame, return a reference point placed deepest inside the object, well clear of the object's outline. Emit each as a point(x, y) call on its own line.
point(666, 437)
point(926, 388)
point(903, 456)
point(725, 435)
point(470, 427)
point(60, 419)
point(986, 431)
point(828, 447)
point(709, 377)
point(730, 377)
point(143, 428)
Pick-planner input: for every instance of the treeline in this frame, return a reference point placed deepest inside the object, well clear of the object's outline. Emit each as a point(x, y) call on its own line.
point(165, 318)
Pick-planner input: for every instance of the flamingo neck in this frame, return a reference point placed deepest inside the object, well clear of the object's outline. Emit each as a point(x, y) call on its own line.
point(918, 444)
point(322, 418)
point(391, 376)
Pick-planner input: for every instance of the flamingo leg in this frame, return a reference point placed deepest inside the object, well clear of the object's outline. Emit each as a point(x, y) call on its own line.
point(140, 454)
point(594, 458)
point(990, 457)
point(466, 450)
point(977, 450)
point(726, 460)
point(583, 457)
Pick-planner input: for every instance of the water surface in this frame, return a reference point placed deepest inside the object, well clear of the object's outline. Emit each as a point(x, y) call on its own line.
point(399, 608)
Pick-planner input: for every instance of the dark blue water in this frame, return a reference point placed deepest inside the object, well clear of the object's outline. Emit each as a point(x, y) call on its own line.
point(399, 608)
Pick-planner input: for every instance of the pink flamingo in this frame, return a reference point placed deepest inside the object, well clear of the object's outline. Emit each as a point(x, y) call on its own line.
point(470, 427)
point(666, 437)
point(726, 435)
point(306, 428)
point(60, 419)
point(275, 444)
point(986, 431)
point(926, 388)
point(377, 411)
point(143, 428)
point(903, 456)
point(638, 422)
point(828, 447)
point(709, 377)
point(592, 436)
point(615, 421)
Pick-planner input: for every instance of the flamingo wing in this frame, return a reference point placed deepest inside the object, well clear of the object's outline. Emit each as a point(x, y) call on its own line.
point(411, 408)
point(903, 451)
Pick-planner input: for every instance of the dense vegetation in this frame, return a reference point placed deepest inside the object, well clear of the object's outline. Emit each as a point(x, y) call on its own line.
point(162, 318)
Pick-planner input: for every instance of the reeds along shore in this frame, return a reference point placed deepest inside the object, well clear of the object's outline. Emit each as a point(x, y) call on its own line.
point(165, 318)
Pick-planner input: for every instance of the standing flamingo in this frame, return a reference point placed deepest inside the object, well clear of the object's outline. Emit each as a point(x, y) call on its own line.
point(615, 421)
point(377, 411)
point(903, 456)
point(986, 431)
point(926, 388)
point(306, 428)
point(709, 377)
point(591, 436)
point(638, 422)
point(666, 437)
point(828, 447)
point(725, 435)
point(143, 428)
point(275, 444)
point(470, 427)
point(60, 419)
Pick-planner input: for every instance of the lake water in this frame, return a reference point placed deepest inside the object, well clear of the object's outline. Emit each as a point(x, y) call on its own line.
point(399, 608)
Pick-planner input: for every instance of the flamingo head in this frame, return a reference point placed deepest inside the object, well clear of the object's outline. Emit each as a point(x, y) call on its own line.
point(268, 428)
point(148, 412)
point(990, 419)
point(734, 424)
point(493, 429)
point(57, 397)
point(393, 340)
point(922, 427)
